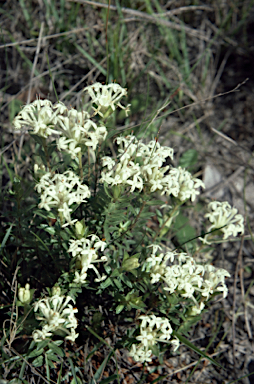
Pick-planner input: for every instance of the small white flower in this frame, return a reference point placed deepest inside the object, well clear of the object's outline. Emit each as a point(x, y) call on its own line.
point(153, 329)
point(185, 276)
point(175, 342)
point(60, 191)
point(224, 218)
point(197, 309)
point(85, 251)
point(140, 353)
point(39, 116)
point(188, 185)
point(56, 314)
point(106, 96)
point(78, 130)
point(43, 334)
point(73, 335)
point(80, 278)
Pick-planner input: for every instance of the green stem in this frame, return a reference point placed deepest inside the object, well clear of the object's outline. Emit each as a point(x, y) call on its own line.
point(96, 167)
point(132, 225)
point(45, 147)
point(137, 217)
point(89, 165)
point(166, 221)
point(61, 217)
point(80, 165)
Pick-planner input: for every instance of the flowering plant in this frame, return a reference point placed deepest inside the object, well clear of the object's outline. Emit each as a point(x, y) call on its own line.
point(92, 212)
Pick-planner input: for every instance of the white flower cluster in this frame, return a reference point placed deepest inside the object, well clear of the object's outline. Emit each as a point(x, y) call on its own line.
point(140, 165)
point(57, 316)
point(78, 130)
point(40, 115)
point(75, 128)
point(85, 253)
point(61, 191)
point(152, 330)
point(105, 97)
point(224, 218)
point(186, 277)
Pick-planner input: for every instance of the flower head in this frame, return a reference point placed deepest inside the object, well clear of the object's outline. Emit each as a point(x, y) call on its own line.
point(185, 276)
point(188, 185)
point(105, 97)
point(56, 314)
point(153, 329)
point(225, 218)
point(78, 130)
point(39, 116)
point(85, 252)
point(61, 191)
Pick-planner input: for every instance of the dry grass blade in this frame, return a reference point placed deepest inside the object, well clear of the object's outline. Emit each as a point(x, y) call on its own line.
point(151, 18)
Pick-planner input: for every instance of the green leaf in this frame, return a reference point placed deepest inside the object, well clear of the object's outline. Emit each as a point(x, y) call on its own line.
point(195, 349)
point(184, 231)
point(115, 273)
point(75, 378)
point(100, 370)
point(50, 230)
point(188, 159)
point(106, 283)
point(155, 202)
point(118, 284)
point(36, 352)
point(52, 356)
point(58, 342)
point(42, 344)
point(110, 379)
point(14, 108)
point(60, 374)
point(126, 281)
point(119, 308)
point(111, 134)
point(6, 237)
point(38, 362)
point(56, 349)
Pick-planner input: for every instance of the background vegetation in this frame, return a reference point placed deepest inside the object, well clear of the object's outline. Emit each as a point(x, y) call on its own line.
point(198, 54)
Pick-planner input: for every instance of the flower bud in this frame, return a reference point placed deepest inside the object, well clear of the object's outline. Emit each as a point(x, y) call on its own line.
point(195, 310)
point(25, 295)
point(131, 263)
point(38, 169)
point(117, 191)
point(80, 228)
point(56, 290)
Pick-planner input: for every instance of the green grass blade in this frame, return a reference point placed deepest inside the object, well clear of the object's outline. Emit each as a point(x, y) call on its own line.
point(26, 13)
point(47, 367)
point(75, 379)
point(195, 349)
point(28, 62)
point(21, 373)
point(6, 237)
point(8, 170)
point(100, 370)
point(59, 379)
point(91, 59)
point(101, 339)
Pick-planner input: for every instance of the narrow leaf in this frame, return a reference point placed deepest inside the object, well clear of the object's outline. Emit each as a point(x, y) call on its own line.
point(194, 348)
